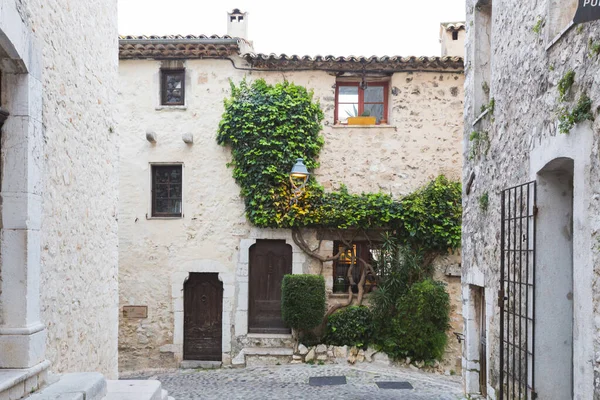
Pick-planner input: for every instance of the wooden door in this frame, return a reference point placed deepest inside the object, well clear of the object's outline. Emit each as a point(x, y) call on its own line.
point(203, 316)
point(270, 260)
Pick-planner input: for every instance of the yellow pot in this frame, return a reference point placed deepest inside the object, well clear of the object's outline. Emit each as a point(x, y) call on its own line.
point(362, 120)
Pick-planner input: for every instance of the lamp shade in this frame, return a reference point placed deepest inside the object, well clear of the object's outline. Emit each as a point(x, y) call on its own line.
point(299, 170)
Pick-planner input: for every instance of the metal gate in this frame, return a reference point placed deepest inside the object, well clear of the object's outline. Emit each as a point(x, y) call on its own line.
point(516, 296)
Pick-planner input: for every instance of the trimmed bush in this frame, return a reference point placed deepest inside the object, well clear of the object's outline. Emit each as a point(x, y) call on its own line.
point(302, 301)
point(419, 328)
point(352, 326)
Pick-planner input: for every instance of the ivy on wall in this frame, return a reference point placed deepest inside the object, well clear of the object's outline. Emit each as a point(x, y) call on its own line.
point(268, 127)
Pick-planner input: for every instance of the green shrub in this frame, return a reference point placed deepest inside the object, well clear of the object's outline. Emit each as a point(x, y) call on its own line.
point(419, 328)
point(302, 301)
point(352, 326)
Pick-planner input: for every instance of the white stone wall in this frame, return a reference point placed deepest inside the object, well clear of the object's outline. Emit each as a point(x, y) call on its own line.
point(523, 139)
point(422, 141)
point(77, 42)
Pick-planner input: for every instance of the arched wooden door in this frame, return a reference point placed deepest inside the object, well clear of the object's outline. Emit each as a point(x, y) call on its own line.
point(203, 316)
point(270, 260)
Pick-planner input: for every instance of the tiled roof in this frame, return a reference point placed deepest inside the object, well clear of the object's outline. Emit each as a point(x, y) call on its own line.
point(453, 26)
point(195, 47)
point(352, 63)
point(177, 46)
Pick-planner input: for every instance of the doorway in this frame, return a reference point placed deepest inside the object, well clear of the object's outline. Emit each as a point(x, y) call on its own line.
point(203, 317)
point(554, 282)
point(270, 260)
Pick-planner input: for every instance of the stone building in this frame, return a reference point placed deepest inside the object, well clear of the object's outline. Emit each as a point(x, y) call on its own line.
point(531, 202)
point(172, 89)
point(59, 191)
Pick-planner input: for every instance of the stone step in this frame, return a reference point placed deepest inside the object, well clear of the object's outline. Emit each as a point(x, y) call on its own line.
point(76, 386)
point(192, 364)
point(134, 390)
point(263, 356)
point(18, 383)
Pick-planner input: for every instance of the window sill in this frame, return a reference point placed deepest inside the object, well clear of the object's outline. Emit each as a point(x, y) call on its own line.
point(559, 36)
point(364, 127)
point(171, 108)
point(345, 295)
point(165, 218)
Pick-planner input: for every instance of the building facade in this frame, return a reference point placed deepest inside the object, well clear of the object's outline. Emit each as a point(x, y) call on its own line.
point(59, 190)
point(530, 223)
point(198, 236)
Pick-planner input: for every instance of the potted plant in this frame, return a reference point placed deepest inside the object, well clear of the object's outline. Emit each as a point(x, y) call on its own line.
point(364, 119)
point(339, 286)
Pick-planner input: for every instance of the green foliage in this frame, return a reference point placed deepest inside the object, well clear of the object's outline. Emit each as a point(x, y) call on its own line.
point(489, 107)
point(579, 29)
point(269, 126)
point(594, 48)
point(399, 267)
point(537, 28)
point(551, 67)
point(485, 87)
point(419, 328)
point(484, 202)
point(582, 111)
point(302, 301)
point(565, 83)
point(309, 338)
point(352, 326)
point(430, 218)
point(480, 144)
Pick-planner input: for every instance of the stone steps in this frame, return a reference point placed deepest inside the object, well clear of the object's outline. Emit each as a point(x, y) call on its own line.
point(93, 386)
point(135, 390)
point(17, 383)
point(263, 356)
point(76, 386)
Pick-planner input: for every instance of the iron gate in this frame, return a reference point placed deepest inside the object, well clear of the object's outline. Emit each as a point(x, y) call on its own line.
point(516, 296)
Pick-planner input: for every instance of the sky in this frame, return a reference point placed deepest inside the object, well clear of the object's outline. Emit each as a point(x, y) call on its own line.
point(306, 27)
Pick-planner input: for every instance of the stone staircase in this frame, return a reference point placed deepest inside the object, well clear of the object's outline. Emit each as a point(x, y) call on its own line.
point(80, 386)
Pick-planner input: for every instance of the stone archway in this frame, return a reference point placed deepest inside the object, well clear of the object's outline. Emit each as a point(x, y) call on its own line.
point(22, 334)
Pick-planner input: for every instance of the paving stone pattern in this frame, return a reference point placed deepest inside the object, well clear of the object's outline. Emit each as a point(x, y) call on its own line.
point(291, 382)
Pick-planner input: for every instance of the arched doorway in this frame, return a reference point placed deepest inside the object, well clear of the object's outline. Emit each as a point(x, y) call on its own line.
point(554, 281)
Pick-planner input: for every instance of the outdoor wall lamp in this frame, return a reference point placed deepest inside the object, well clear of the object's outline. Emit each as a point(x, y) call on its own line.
point(298, 178)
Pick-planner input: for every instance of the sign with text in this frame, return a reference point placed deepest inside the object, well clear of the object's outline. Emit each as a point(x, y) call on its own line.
point(135, 311)
point(588, 10)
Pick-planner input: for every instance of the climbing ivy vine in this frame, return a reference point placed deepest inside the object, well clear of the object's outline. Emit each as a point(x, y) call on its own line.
point(268, 127)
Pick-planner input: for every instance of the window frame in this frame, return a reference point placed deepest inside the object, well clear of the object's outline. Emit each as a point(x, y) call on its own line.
point(164, 73)
point(361, 248)
point(361, 98)
point(161, 215)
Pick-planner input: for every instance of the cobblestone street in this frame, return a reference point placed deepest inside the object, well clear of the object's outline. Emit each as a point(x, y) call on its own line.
point(291, 382)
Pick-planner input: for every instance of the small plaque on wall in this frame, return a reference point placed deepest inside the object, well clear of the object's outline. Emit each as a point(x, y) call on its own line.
point(135, 311)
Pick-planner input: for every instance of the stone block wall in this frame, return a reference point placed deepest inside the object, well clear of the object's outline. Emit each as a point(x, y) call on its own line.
point(79, 241)
point(421, 142)
point(526, 66)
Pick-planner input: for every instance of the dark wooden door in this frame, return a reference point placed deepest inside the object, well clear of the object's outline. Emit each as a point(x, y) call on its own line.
point(203, 315)
point(270, 260)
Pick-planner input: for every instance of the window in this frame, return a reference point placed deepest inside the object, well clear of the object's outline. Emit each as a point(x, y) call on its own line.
point(341, 266)
point(352, 100)
point(455, 35)
point(172, 87)
point(166, 190)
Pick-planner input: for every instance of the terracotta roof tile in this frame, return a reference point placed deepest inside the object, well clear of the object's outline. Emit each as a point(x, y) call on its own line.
point(353, 63)
point(177, 46)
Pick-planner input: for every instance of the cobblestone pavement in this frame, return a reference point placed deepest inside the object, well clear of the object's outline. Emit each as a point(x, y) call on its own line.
point(291, 382)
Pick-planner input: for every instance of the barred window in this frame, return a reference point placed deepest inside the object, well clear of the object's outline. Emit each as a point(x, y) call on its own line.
point(166, 190)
